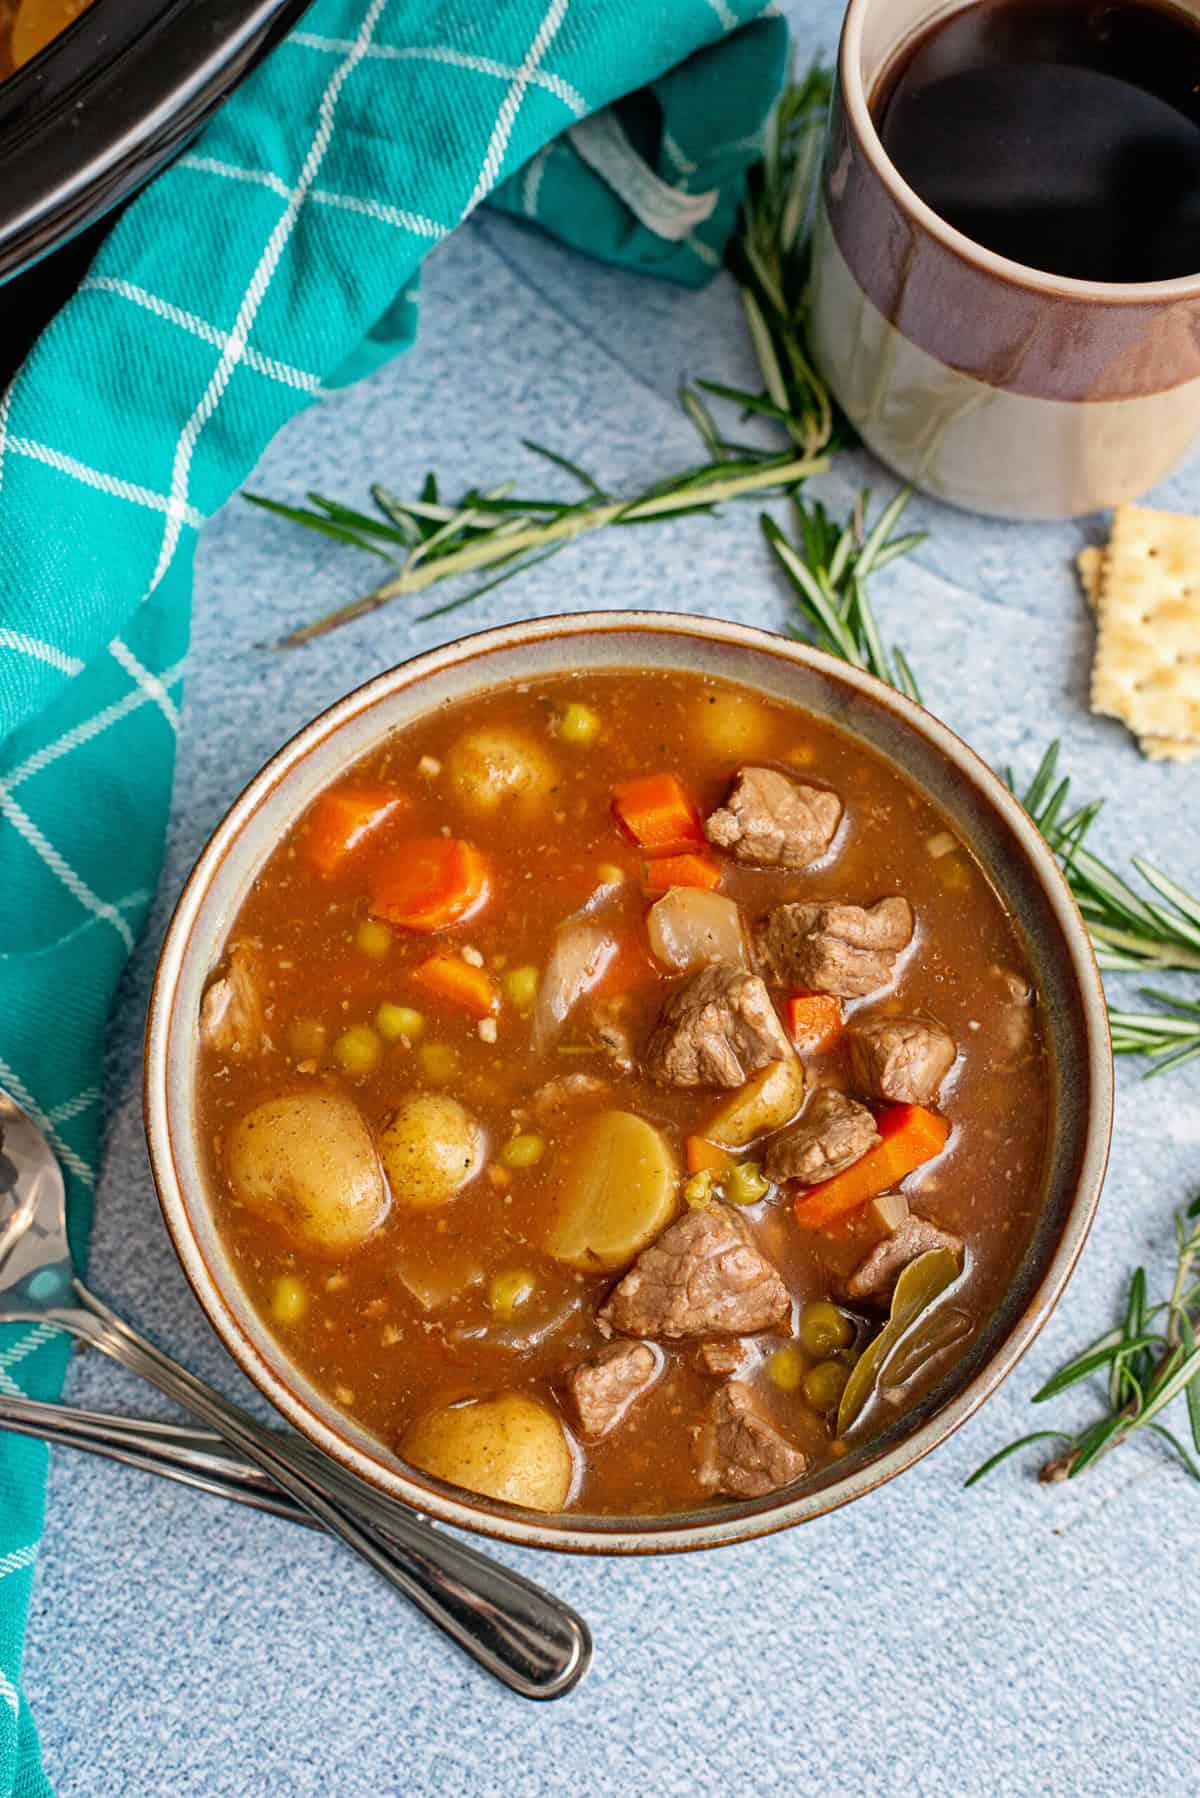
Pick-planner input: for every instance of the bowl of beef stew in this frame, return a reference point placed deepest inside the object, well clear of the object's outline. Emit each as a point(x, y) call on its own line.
point(627, 1082)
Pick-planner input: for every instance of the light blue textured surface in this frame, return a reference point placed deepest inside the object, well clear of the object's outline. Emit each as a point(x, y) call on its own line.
point(1015, 1639)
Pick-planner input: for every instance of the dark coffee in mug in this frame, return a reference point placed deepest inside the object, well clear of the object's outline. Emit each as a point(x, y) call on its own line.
point(1063, 134)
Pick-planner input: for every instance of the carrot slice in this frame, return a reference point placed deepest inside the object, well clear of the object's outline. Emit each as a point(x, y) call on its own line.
point(911, 1135)
point(449, 977)
point(668, 871)
point(342, 819)
point(429, 883)
point(703, 1156)
point(814, 1021)
point(658, 813)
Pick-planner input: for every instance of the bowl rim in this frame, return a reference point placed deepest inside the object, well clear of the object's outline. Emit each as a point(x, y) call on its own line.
point(561, 1531)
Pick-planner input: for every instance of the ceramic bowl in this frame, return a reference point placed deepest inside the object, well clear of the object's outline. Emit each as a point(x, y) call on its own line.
point(981, 810)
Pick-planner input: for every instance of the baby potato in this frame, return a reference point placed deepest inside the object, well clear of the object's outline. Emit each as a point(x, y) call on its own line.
point(733, 724)
point(509, 1447)
point(490, 768)
point(767, 1102)
point(431, 1148)
point(306, 1162)
point(617, 1182)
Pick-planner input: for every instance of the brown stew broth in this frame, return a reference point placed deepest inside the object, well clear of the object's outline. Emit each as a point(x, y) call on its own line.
point(366, 1340)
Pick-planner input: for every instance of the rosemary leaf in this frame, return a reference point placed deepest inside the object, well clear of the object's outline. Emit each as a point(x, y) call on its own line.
point(1013, 1448)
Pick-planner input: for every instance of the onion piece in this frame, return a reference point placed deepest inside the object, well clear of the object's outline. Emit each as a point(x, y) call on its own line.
point(689, 927)
point(581, 953)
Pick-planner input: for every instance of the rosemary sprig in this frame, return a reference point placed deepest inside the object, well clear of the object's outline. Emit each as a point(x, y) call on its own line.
point(828, 567)
point(499, 530)
point(1147, 1361)
point(769, 258)
point(1132, 932)
point(496, 530)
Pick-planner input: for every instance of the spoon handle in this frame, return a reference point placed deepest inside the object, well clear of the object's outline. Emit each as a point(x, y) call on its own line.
point(531, 1641)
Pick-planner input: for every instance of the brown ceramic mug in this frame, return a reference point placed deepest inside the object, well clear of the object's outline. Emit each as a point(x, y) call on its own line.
point(994, 386)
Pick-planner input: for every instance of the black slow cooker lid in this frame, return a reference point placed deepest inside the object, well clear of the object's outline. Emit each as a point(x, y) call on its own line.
point(109, 102)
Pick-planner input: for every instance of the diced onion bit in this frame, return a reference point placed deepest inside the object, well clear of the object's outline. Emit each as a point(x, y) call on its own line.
point(373, 938)
point(523, 1150)
point(358, 1050)
point(429, 766)
point(943, 842)
point(438, 1061)
point(510, 1290)
point(786, 1368)
point(520, 986)
point(399, 1023)
point(488, 1031)
point(289, 1299)
point(471, 956)
point(306, 1038)
point(578, 724)
point(888, 1211)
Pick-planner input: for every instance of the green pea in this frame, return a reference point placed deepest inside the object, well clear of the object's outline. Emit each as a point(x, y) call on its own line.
point(509, 1291)
point(521, 985)
point(824, 1384)
point(579, 724)
point(786, 1368)
point(824, 1329)
point(396, 1021)
point(358, 1050)
point(745, 1184)
point(523, 1150)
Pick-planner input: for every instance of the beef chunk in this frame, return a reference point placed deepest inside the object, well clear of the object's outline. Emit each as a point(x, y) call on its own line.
point(558, 1098)
point(740, 1450)
point(716, 1030)
point(233, 1011)
point(774, 821)
point(905, 1059)
point(703, 1277)
point(875, 1278)
point(833, 1132)
point(849, 950)
point(599, 1392)
point(721, 1358)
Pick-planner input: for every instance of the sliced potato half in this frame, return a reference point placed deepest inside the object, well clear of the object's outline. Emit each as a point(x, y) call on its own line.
point(617, 1181)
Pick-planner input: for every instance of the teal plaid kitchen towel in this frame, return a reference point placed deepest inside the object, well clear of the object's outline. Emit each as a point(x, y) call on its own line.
point(278, 258)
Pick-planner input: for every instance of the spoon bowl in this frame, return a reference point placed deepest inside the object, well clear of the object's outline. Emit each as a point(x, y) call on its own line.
point(524, 1636)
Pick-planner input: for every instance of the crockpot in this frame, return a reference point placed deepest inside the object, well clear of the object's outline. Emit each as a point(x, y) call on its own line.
point(93, 117)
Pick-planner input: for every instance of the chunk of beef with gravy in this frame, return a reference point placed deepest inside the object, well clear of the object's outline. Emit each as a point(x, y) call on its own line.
point(600, 1391)
point(740, 1452)
point(903, 1059)
point(774, 821)
point(703, 1277)
point(848, 950)
point(875, 1278)
point(568, 1093)
point(233, 1018)
point(716, 1030)
point(832, 1133)
point(722, 1357)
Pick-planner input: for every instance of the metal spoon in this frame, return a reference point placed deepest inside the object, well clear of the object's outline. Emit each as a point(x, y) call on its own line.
point(527, 1638)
